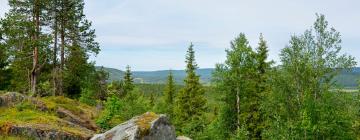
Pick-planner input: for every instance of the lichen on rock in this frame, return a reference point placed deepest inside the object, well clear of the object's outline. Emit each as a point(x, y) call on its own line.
point(148, 126)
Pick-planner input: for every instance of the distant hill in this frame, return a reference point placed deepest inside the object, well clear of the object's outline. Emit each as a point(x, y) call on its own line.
point(345, 79)
point(160, 76)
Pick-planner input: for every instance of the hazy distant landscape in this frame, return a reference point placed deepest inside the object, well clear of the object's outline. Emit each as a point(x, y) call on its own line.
point(346, 79)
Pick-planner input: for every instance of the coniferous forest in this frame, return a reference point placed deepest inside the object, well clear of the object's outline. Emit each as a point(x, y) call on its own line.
point(45, 50)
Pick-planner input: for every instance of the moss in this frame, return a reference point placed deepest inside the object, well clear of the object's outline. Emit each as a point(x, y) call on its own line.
point(74, 106)
point(15, 138)
point(11, 116)
point(144, 122)
point(25, 114)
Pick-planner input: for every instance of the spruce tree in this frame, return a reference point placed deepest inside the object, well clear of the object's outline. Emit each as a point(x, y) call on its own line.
point(128, 81)
point(190, 103)
point(169, 91)
point(262, 87)
point(166, 104)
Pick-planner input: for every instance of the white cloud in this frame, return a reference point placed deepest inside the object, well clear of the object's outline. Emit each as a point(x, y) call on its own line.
point(210, 24)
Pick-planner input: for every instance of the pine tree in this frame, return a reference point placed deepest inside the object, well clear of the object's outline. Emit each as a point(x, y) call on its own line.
point(191, 102)
point(262, 89)
point(167, 101)
point(128, 81)
point(5, 73)
point(78, 41)
point(169, 91)
point(23, 34)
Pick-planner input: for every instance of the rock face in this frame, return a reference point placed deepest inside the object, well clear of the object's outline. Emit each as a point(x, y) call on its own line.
point(148, 126)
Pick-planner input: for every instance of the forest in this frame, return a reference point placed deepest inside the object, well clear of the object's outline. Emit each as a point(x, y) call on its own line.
point(45, 48)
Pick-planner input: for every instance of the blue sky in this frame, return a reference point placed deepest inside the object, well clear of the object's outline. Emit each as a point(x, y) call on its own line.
point(154, 35)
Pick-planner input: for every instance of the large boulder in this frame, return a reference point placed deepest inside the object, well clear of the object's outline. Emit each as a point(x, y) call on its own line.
point(148, 126)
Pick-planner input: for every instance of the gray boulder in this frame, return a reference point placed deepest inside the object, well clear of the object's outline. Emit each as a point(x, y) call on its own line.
point(148, 126)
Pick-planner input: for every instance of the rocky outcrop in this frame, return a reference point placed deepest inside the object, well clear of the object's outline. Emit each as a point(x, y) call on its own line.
point(148, 126)
point(42, 132)
point(69, 116)
point(65, 124)
point(11, 98)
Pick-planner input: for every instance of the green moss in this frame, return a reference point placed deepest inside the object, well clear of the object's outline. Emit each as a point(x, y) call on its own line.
point(26, 113)
point(15, 138)
point(144, 122)
point(75, 107)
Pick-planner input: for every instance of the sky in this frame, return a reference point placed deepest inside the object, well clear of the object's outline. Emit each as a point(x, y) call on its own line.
point(154, 35)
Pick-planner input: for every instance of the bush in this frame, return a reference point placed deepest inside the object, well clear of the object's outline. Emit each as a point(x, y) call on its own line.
point(88, 97)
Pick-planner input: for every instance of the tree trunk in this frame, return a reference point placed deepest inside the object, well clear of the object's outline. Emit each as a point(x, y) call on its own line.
point(34, 72)
point(238, 106)
point(56, 73)
point(62, 35)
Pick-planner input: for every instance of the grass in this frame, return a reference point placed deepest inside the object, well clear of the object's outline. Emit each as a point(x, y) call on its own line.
point(75, 107)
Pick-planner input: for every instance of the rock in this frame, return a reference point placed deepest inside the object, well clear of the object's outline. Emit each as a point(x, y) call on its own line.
point(183, 138)
point(66, 125)
point(11, 98)
point(41, 132)
point(69, 116)
point(148, 126)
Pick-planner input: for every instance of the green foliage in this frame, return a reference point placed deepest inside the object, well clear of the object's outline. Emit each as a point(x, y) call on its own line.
point(242, 81)
point(116, 88)
point(190, 103)
point(118, 110)
point(112, 107)
point(166, 103)
point(88, 97)
point(169, 91)
point(128, 81)
point(301, 104)
point(24, 105)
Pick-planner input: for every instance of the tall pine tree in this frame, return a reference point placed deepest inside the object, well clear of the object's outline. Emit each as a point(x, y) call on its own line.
point(169, 91)
point(166, 104)
point(190, 103)
point(128, 85)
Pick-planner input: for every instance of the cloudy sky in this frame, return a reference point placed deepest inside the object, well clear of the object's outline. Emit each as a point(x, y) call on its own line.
point(154, 35)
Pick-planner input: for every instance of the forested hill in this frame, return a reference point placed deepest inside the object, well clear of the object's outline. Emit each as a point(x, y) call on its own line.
point(159, 76)
point(345, 79)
